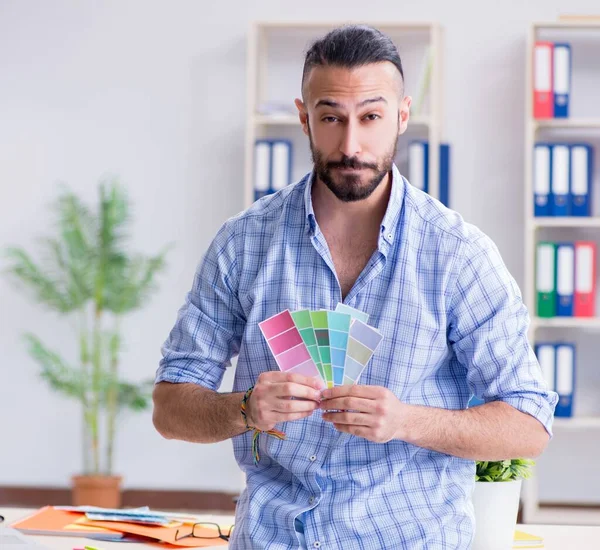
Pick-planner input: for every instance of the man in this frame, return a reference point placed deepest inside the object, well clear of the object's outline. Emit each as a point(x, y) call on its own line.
point(394, 466)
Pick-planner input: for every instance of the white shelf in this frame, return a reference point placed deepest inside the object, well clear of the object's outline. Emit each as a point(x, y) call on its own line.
point(533, 512)
point(263, 34)
point(293, 120)
point(566, 515)
point(566, 322)
point(593, 123)
point(320, 24)
point(566, 221)
point(576, 423)
point(574, 25)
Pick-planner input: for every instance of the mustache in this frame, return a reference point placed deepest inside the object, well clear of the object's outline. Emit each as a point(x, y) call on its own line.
point(352, 163)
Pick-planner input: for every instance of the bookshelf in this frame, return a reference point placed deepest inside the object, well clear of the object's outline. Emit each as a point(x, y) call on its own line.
point(557, 329)
point(275, 57)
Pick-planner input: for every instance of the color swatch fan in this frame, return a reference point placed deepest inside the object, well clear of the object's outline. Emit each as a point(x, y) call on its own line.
point(334, 346)
point(287, 346)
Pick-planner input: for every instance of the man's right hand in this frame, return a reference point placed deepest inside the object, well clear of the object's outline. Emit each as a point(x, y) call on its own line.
point(271, 400)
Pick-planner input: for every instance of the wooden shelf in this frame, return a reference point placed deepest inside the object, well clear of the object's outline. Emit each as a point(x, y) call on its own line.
point(593, 221)
point(292, 120)
point(592, 323)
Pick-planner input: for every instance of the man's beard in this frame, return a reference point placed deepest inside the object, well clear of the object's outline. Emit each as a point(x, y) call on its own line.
point(350, 188)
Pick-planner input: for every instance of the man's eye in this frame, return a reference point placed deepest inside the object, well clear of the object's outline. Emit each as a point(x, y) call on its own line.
point(372, 116)
point(330, 119)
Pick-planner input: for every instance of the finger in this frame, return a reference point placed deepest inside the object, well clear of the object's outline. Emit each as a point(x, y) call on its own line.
point(346, 418)
point(293, 416)
point(293, 406)
point(349, 404)
point(357, 390)
point(359, 431)
point(293, 389)
point(309, 381)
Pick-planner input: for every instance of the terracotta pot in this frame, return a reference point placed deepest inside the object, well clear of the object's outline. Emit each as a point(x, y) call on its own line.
point(103, 491)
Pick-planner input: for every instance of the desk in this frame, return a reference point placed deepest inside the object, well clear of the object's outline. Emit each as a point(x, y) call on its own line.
point(556, 537)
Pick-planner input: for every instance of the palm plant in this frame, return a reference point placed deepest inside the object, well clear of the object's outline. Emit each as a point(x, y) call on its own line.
point(87, 274)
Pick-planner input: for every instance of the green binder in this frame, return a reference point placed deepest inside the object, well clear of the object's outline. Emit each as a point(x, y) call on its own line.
point(545, 279)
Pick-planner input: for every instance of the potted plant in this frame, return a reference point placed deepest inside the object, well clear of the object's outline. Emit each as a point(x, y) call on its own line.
point(88, 275)
point(496, 501)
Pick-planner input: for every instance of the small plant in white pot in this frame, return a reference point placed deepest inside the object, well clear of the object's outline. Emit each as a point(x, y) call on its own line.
point(496, 501)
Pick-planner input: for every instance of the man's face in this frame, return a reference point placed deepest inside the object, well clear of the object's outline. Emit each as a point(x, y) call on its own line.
point(353, 118)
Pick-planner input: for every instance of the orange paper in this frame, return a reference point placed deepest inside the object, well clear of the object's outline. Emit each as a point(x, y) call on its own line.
point(49, 521)
point(177, 536)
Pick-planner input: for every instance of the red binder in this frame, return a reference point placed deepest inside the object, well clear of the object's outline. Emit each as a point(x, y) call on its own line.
point(543, 95)
point(584, 301)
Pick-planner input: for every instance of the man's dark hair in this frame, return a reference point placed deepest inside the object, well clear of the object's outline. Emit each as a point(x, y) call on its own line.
point(352, 46)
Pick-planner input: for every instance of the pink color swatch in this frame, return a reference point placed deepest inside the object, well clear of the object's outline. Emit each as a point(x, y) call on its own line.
point(285, 341)
point(277, 324)
point(287, 345)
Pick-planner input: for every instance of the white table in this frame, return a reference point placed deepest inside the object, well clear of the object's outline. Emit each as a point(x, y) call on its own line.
point(556, 537)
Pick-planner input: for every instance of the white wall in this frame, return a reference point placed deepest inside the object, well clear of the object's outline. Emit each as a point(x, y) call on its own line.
point(154, 92)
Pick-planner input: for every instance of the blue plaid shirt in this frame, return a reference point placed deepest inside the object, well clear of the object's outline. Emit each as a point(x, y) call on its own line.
point(454, 325)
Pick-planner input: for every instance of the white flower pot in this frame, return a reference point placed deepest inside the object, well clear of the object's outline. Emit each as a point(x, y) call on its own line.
point(496, 506)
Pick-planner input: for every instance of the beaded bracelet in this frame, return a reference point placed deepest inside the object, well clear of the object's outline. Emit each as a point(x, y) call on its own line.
point(257, 432)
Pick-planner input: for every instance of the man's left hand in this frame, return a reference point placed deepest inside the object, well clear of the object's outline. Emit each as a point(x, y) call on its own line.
point(372, 412)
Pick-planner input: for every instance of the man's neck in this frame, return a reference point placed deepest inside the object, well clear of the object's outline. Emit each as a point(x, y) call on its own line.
point(351, 217)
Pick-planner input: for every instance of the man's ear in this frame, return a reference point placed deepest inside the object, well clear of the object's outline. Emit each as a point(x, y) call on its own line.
point(404, 114)
point(302, 114)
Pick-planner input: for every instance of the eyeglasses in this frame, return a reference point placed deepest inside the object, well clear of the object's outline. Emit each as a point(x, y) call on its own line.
point(206, 531)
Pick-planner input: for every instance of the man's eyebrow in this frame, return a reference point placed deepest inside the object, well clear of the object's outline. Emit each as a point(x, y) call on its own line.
point(336, 105)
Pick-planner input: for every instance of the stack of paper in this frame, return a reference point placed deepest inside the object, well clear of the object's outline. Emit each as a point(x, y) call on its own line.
point(333, 346)
point(140, 525)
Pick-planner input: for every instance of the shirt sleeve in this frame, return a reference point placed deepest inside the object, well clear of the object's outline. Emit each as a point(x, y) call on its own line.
point(210, 324)
point(488, 333)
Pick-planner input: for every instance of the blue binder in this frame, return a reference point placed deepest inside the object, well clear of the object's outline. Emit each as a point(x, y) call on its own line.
point(445, 174)
point(565, 379)
point(542, 177)
point(560, 179)
point(562, 79)
point(582, 156)
point(565, 279)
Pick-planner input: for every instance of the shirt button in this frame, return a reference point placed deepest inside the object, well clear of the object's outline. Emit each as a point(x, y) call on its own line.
point(390, 236)
point(311, 500)
point(317, 544)
point(313, 458)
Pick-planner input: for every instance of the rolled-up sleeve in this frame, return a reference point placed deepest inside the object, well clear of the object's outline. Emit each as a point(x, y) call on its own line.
point(210, 324)
point(488, 324)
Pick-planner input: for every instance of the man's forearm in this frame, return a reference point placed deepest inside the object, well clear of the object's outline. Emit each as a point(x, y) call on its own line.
point(192, 413)
point(494, 431)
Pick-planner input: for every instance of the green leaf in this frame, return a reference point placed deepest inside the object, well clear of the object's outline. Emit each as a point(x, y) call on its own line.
point(55, 370)
point(33, 277)
point(503, 470)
